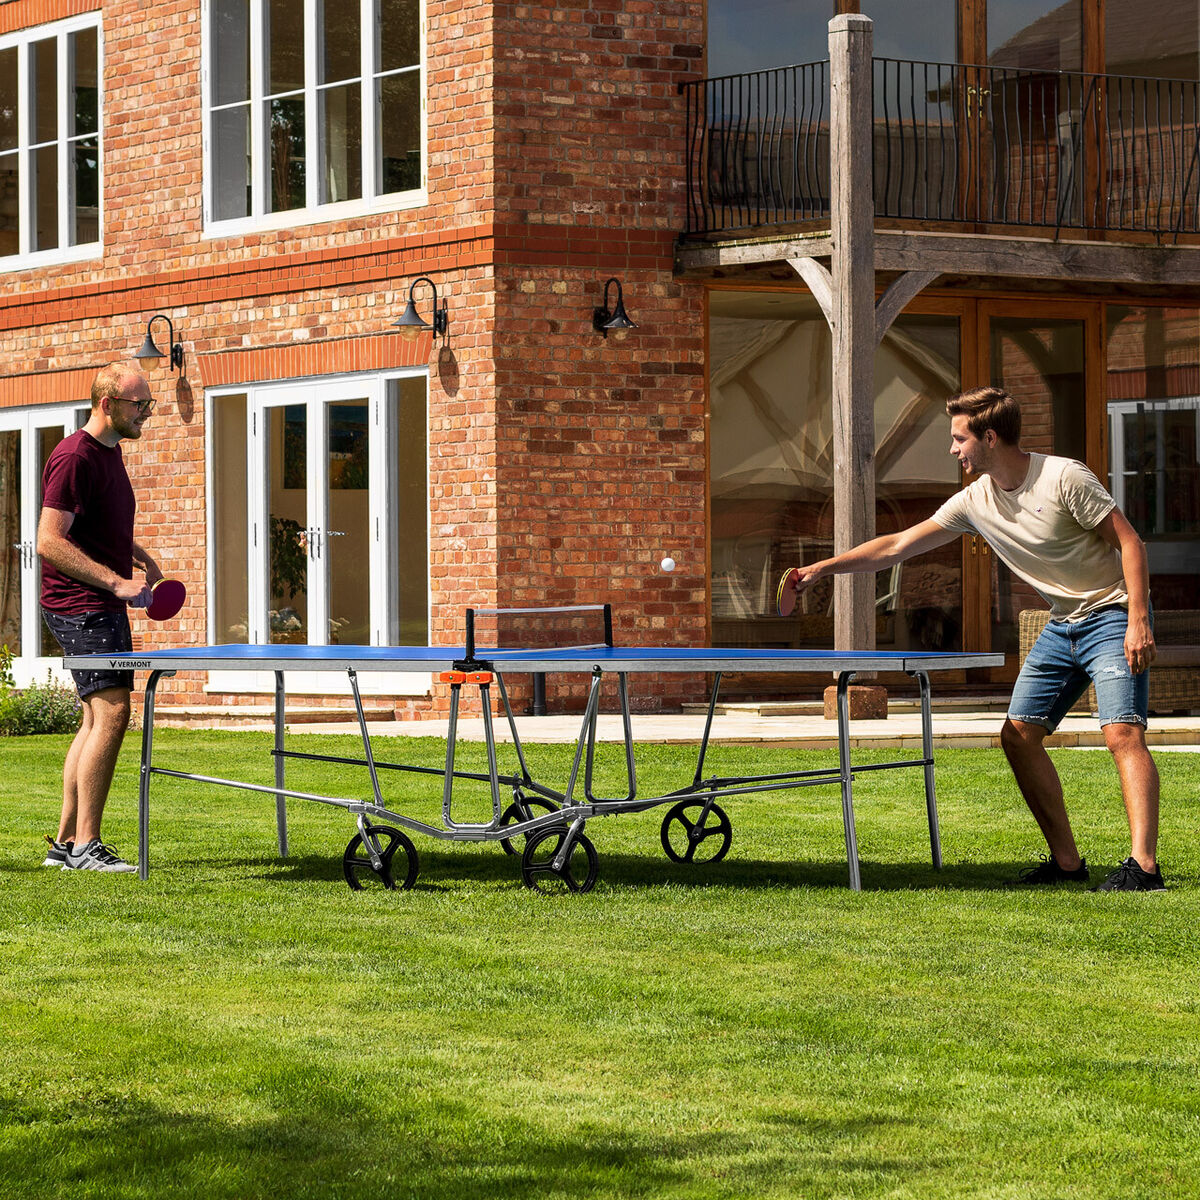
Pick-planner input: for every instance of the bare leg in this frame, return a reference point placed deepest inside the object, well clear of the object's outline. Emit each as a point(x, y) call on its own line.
point(95, 758)
point(70, 804)
point(1041, 788)
point(1139, 787)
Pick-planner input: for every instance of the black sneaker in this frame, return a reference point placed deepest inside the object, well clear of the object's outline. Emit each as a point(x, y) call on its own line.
point(1129, 877)
point(1047, 870)
point(56, 852)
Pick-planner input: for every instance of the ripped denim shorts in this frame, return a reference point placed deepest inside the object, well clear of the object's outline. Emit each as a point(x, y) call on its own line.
point(1067, 656)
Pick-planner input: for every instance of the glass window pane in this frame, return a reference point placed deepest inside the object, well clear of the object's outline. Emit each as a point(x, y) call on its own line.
point(399, 34)
point(47, 438)
point(231, 51)
point(349, 540)
point(1037, 35)
point(287, 154)
point(10, 204)
point(1138, 43)
point(231, 587)
point(86, 216)
point(342, 111)
point(341, 41)
point(410, 505)
point(287, 507)
point(1154, 458)
point(10, 532)
point(400, 132)
point(45, 191)
point(285, 26)
point(85, 111)
point(920, 30)
point(231, 163)
point(9, 101)
point(43, 63)
point(771, 470)
point(753, 35)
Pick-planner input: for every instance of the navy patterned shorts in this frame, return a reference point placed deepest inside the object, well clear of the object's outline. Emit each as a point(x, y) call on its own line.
point(93, 633)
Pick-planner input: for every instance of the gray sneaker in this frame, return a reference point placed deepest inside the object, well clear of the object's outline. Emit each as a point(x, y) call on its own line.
point(56, 852)
point(96, 856)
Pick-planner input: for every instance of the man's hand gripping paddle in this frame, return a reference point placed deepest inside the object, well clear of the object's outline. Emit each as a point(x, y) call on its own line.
point(787, 594)
point(166, 600)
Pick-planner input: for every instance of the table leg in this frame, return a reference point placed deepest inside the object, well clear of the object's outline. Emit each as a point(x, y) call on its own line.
point(144, 777)
point(280, 776)
point(847, 778)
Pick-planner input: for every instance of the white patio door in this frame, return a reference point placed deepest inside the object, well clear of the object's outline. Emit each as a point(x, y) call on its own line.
point(26, 438)
point(317, 508)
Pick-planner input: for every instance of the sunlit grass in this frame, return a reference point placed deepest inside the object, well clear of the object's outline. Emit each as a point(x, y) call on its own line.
point(243, 1026)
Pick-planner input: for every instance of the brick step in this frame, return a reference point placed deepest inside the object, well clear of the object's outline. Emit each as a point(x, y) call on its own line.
point(207, 716)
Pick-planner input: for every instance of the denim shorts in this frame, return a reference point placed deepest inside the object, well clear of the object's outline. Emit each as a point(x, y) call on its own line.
point(93, 633)
point(1067, 656)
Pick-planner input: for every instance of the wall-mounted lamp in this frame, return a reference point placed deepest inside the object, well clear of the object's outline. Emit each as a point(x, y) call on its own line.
point(411, 323)
point(604, 319)
point(150, 353)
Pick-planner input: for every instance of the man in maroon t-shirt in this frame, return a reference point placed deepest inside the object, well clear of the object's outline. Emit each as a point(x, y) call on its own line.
point(85, 539)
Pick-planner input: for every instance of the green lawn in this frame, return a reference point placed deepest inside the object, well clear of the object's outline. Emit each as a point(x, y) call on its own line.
point(240, 1026)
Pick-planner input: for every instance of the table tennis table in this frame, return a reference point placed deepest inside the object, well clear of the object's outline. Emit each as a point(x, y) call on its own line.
point(557, 855)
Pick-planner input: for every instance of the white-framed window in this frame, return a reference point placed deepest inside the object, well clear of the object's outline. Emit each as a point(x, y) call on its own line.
point(314, 109)
point(50, 143)
point(27, 436)
point(318, 518)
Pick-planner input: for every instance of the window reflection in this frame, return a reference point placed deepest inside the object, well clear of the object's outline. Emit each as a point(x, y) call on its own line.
point(1154, 441)
point(771, 470)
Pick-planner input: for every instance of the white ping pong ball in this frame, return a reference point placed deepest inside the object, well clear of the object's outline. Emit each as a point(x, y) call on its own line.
point(668, 563)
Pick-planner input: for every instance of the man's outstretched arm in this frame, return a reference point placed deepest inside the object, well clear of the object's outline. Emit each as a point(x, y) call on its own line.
point(877, 554)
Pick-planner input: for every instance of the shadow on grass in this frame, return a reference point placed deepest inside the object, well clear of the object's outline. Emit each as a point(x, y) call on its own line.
point(322, 1140)
point(445, 870)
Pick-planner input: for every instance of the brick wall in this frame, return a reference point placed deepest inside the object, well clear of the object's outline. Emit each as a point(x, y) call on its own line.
point(563, 465)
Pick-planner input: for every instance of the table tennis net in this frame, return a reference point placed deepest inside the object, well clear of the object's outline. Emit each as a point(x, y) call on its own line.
point(574, 626)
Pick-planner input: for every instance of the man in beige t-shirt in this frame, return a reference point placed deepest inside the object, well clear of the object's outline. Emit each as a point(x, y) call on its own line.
point(1052, 523)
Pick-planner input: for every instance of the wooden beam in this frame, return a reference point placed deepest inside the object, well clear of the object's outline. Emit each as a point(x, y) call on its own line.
point(969, 254)
point(899, 292)
point(820, 283)
point(852, 233)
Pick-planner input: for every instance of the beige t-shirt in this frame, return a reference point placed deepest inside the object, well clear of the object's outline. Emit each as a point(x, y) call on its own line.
point(1045, 532)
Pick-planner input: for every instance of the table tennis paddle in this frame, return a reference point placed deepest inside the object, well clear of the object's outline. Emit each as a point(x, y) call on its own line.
point(786, 594)
point(166, 600)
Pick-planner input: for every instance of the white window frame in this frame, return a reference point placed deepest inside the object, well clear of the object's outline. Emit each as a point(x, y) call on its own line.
point(260, 397)
point(27, 421)
point(372, 200)
point(22, 40)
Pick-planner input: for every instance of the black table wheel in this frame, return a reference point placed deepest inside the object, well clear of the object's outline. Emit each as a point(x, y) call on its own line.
point(577, 874)
point(522, 809)
point(686, 840)
point(356, 862)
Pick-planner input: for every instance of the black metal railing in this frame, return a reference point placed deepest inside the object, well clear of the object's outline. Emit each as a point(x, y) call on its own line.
point(758, 148)
point(952, 143)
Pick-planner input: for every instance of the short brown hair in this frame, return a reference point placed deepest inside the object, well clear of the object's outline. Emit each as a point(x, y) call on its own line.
point(988, 408)
point(108, 381)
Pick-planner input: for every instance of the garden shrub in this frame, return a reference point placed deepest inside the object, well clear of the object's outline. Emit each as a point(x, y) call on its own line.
point(40, 708)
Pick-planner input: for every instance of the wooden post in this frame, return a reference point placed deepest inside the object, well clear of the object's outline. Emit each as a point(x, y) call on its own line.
point(852, 234)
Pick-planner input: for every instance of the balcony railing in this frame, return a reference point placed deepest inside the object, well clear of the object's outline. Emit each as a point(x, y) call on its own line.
point(953, 143)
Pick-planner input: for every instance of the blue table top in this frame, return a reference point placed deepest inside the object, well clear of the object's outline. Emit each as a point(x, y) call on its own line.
point(662, 659)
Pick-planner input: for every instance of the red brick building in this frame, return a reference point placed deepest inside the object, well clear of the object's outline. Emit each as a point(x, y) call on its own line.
point(275, 176)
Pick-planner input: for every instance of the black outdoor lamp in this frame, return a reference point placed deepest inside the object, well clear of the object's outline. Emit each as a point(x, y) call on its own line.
point(150, 353)
point(604, 318)
point(411, 323)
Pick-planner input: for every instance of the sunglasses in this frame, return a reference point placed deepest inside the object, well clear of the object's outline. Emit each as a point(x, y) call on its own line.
point(145, 407)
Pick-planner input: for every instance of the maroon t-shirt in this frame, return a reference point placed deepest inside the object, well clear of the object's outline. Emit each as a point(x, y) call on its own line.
point(87, 478)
